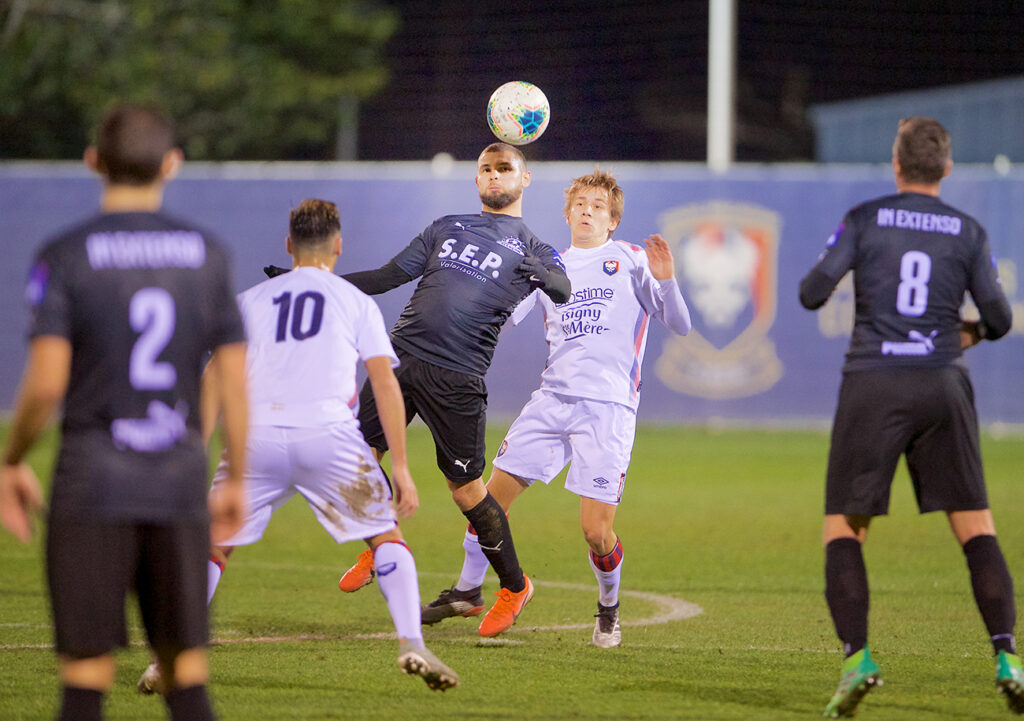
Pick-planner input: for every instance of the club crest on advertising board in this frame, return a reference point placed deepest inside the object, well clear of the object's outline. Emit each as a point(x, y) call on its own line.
point(726, 257)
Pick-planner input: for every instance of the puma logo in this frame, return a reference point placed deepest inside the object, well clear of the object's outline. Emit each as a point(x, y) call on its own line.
point(463, 464)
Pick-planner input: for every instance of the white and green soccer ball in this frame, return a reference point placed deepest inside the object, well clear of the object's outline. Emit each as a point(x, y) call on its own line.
point(518, 112)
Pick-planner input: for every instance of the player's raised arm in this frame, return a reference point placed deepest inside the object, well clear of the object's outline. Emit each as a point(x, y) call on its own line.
point(391, 408)
point(372, 282)
point(659, 255)
point(380, 280)
point(549, 278)
point(670, 305)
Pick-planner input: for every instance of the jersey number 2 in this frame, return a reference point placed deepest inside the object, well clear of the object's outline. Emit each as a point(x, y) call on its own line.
point(912, 293)
point(316, 315)
point(152, 314)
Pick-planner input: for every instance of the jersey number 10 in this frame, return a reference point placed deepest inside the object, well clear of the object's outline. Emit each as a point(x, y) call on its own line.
point(297, 313)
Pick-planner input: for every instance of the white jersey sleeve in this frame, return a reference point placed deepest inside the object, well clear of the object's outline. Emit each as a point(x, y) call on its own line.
point(662, 298)
point(522, 310)
point(597, 339)
point(307, 331)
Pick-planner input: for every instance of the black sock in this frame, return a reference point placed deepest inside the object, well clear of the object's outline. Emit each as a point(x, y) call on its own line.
point(81, 704)
point(993, 590)
point(189, 704)
point(846, 591)
point(491, 525)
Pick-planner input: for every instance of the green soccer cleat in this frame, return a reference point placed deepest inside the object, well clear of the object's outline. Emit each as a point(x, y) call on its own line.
point(1010, 680)
point(860, 675)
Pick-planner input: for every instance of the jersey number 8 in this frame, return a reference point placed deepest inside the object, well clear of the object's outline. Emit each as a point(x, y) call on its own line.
point(912, 294)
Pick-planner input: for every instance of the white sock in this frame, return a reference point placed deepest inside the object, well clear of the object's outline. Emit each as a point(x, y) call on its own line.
point(214, 571)
point(607, 581)
point(396, 577)
point(474, 565)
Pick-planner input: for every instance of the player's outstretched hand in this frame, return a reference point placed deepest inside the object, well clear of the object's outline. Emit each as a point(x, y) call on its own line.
point(659, 255)
point(534, 271)
point(227, 510)
point(407, 499)
point(21, 497)
point(273, 271)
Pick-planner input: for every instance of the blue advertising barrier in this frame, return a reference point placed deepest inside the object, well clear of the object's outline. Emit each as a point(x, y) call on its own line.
point(741, 240)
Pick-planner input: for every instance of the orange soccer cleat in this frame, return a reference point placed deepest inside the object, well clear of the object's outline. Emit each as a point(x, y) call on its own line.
point(506, 610)
point(360, 574)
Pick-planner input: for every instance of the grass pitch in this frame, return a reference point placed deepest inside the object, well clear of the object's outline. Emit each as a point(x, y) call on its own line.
point(727, 523)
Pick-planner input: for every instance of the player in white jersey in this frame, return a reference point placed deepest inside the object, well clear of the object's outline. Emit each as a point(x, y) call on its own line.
point(584, 412)
point(307, 330)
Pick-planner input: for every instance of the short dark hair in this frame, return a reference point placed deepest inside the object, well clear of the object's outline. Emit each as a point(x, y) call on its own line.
point(313, 222)
point(505, 148)
point(131, 142)
point(923, 149)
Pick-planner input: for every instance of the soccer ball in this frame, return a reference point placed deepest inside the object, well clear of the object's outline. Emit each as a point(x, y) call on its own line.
point(518, 112)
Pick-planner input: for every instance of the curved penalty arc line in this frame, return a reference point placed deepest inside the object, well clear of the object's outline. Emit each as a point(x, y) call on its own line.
point(667, 609)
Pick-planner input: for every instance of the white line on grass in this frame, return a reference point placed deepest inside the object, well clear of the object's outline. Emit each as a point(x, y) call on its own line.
point(668, 609)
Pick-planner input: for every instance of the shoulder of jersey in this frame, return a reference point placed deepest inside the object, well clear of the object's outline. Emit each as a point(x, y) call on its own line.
point(632, 252)
point(461, 218)
point(871, 206)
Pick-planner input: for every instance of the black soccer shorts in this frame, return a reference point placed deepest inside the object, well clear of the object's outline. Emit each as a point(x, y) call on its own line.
point(926, 414)
point(452, 404)
point(92, 565)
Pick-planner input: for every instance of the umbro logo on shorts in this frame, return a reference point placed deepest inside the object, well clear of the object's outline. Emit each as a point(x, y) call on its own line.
point(600, 482)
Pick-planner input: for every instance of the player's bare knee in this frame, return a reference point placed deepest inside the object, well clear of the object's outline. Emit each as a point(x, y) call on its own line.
point(94, 672)
point(184, 669)
point(467, 495)
point(968, 524)
point(392, 536)
point(600, 538)
point(222, 553)
point(505, 487)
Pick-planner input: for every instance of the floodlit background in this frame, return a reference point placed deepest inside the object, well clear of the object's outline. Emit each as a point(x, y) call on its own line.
point(379, 106)
point(374, 80)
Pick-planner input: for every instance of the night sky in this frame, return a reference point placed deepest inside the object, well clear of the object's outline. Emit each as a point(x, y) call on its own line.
point(627, 80)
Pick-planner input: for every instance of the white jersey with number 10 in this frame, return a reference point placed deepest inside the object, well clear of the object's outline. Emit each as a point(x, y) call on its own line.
point(307, 331)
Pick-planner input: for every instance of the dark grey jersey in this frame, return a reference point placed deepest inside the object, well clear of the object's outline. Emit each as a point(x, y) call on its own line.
point(913, 258)
point(142, 298)
point(468, 288)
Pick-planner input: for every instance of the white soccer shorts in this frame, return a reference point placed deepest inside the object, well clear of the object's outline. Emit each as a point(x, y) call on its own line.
point(553, 430)
point(332, 467)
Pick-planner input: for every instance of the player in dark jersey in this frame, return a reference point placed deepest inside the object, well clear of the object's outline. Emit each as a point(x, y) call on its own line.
point(125, 307)
point(906, 391)
point(473, 270)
